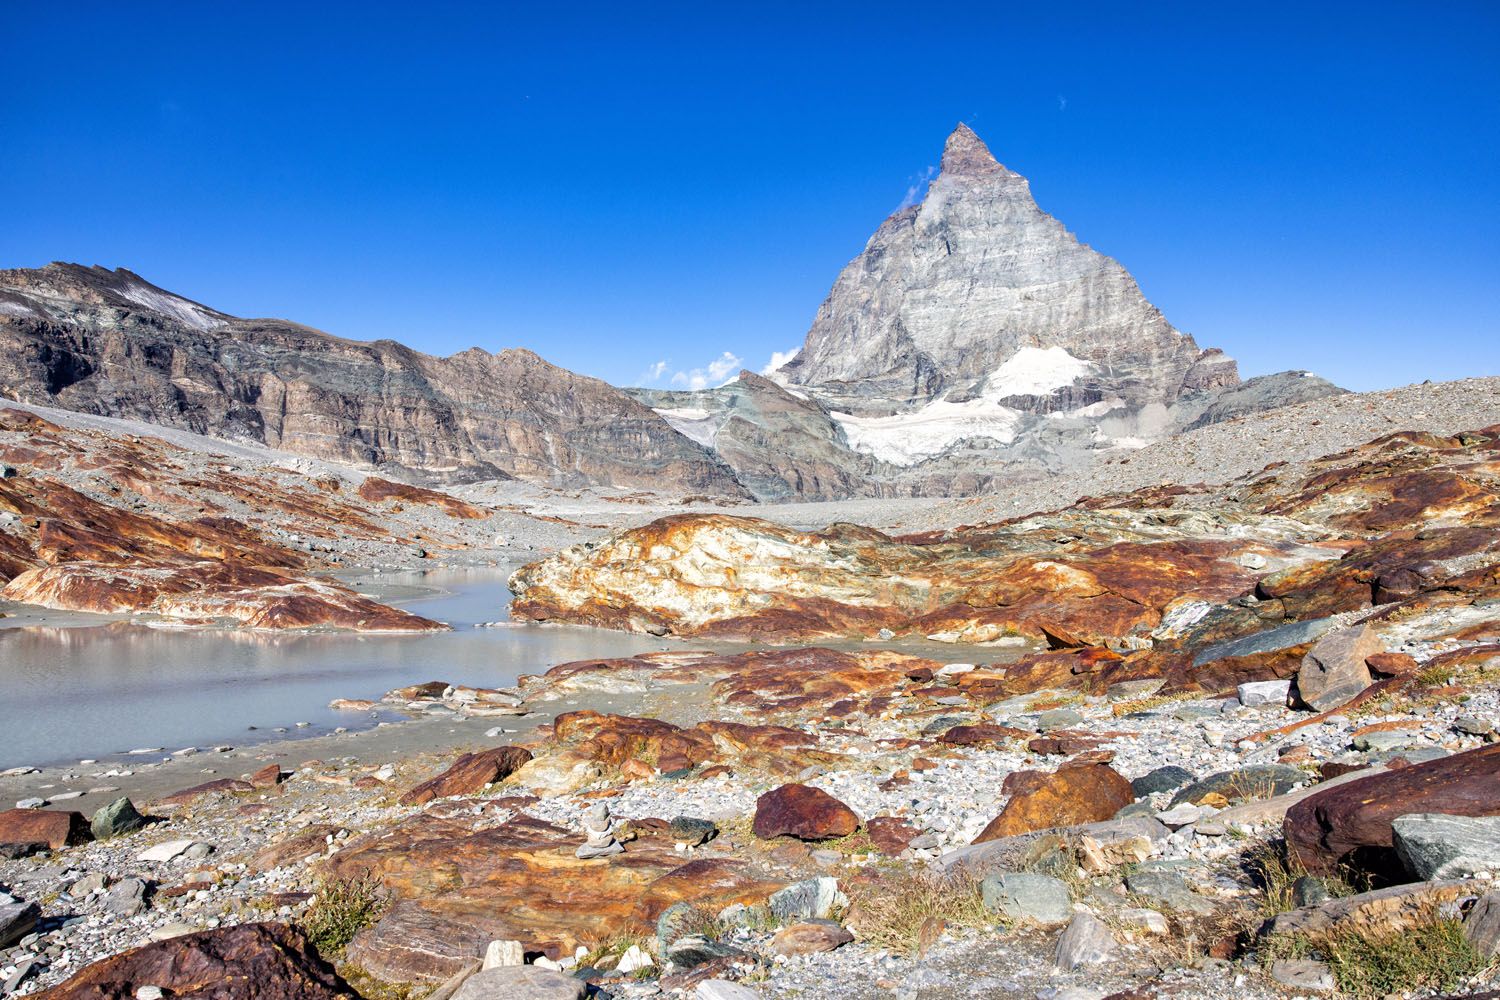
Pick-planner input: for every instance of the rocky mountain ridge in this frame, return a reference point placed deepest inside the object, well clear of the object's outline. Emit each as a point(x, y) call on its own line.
point(975, 341)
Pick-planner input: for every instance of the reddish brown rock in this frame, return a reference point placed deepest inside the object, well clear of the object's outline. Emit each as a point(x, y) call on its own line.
point(468, 774)
point(1352, 822)
point(268, 777)
point(1387, 664)
point(803, 812)
point(456, 888)
point(307, 842)
point(219, 786)
point(377, 489)
point(890, 835)
point(1082, 791)
point(809, 937)
point(246, 962)
point(978, 735)
point(53, 827)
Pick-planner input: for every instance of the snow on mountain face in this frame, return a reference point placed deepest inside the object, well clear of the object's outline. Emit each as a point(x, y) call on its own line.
point(906, 439)
point(1035, 371)
point(185, 312)
point(693, 423)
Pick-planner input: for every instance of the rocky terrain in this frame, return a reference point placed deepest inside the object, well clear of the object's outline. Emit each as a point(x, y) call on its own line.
point(1208, 740)
point(107, 521)
point(110, 343)
point(973, 344)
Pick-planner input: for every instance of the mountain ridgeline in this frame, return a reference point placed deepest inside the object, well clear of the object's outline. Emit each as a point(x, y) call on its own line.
point(974, 338)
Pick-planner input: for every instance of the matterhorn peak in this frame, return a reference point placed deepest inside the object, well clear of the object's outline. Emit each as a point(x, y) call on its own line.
point(966, 153)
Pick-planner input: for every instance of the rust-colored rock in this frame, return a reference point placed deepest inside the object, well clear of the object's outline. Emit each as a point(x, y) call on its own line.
point(246, 962)
point(305, 843)
point(470, 773)
point(268, 777)
point(981, 735)
point(1081, 791)
point(889, 834)
point(53, 827)
point(1388, 664)
point(219, 786)
point(1352, 823)
point(377, 489)
point(456, 888)
point(803, 812)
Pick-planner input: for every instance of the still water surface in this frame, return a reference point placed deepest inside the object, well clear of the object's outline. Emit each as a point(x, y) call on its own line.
point(100, 690)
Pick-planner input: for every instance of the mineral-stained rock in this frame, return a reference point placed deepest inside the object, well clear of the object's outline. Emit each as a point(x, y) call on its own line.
point(1334, 670)
point(55, 828)
point(469, 773)
point(267, 777)
point(1079, 791)
point(715, 574)
point(809, 937)
point(246, 962)
point(889, 834)
point(305, 843)
point(1352, 823)
point(803, 812)
point(456, 888)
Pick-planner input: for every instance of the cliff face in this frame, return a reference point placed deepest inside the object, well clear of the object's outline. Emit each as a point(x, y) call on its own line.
point(108, 342)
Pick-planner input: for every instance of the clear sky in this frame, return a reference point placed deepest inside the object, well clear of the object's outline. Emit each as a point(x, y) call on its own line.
point(621, 185)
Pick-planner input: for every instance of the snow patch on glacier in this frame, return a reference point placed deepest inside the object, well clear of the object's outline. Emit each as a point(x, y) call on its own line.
point(692, 423)
point(908, 438)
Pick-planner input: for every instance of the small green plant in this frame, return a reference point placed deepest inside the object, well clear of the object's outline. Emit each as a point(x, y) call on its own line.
point(340, 909)
point(895, 900)
point(1429, 954)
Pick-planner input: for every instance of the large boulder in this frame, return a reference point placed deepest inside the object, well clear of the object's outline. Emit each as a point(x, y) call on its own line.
point(468, 774)
point(803, 812)
point(1083, 790)
point(1334, 670)
point(246, 962)
point(118, 817)
point(1352, 823)
point(53, 827)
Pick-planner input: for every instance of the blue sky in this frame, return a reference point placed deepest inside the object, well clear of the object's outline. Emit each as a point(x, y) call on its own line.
point(617, 186)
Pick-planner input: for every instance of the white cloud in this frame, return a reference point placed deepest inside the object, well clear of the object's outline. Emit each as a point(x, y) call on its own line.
point(713, 374)
point(653, 373)
point(918, 189)
point(778, 358)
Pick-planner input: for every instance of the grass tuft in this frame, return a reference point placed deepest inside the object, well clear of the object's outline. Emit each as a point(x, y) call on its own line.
point(340, 909)
point(890, 903)
point(1430, 954)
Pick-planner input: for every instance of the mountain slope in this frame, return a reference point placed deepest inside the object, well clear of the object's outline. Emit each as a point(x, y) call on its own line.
point(110, 343)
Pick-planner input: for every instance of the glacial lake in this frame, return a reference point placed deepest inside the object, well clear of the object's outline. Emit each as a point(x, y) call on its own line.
point(100, 690)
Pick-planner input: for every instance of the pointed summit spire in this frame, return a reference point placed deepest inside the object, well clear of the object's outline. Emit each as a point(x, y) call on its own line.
point(966, 153)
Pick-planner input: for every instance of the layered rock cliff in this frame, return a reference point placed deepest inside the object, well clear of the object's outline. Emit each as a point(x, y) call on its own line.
point(110, 343)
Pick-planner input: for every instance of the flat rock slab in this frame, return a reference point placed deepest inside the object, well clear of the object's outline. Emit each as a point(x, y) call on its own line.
point(455, 889)
point(247, 962)
point(1012, 852)
point(521, 982)
point(1353, 821)
point(1255, 781)
point(1392, 910)
point(1040, 899)
point(469, 773)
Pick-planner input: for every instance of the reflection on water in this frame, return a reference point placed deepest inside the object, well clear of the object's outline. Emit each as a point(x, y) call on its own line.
point(93, 691)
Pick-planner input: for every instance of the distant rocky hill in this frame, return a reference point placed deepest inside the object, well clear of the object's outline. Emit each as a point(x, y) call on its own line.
point(111, 343)
point(974, 342)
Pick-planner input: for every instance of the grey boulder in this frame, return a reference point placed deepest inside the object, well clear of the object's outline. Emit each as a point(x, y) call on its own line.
point(1439, 846)
point(1087, 941)
point(1040, 899)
